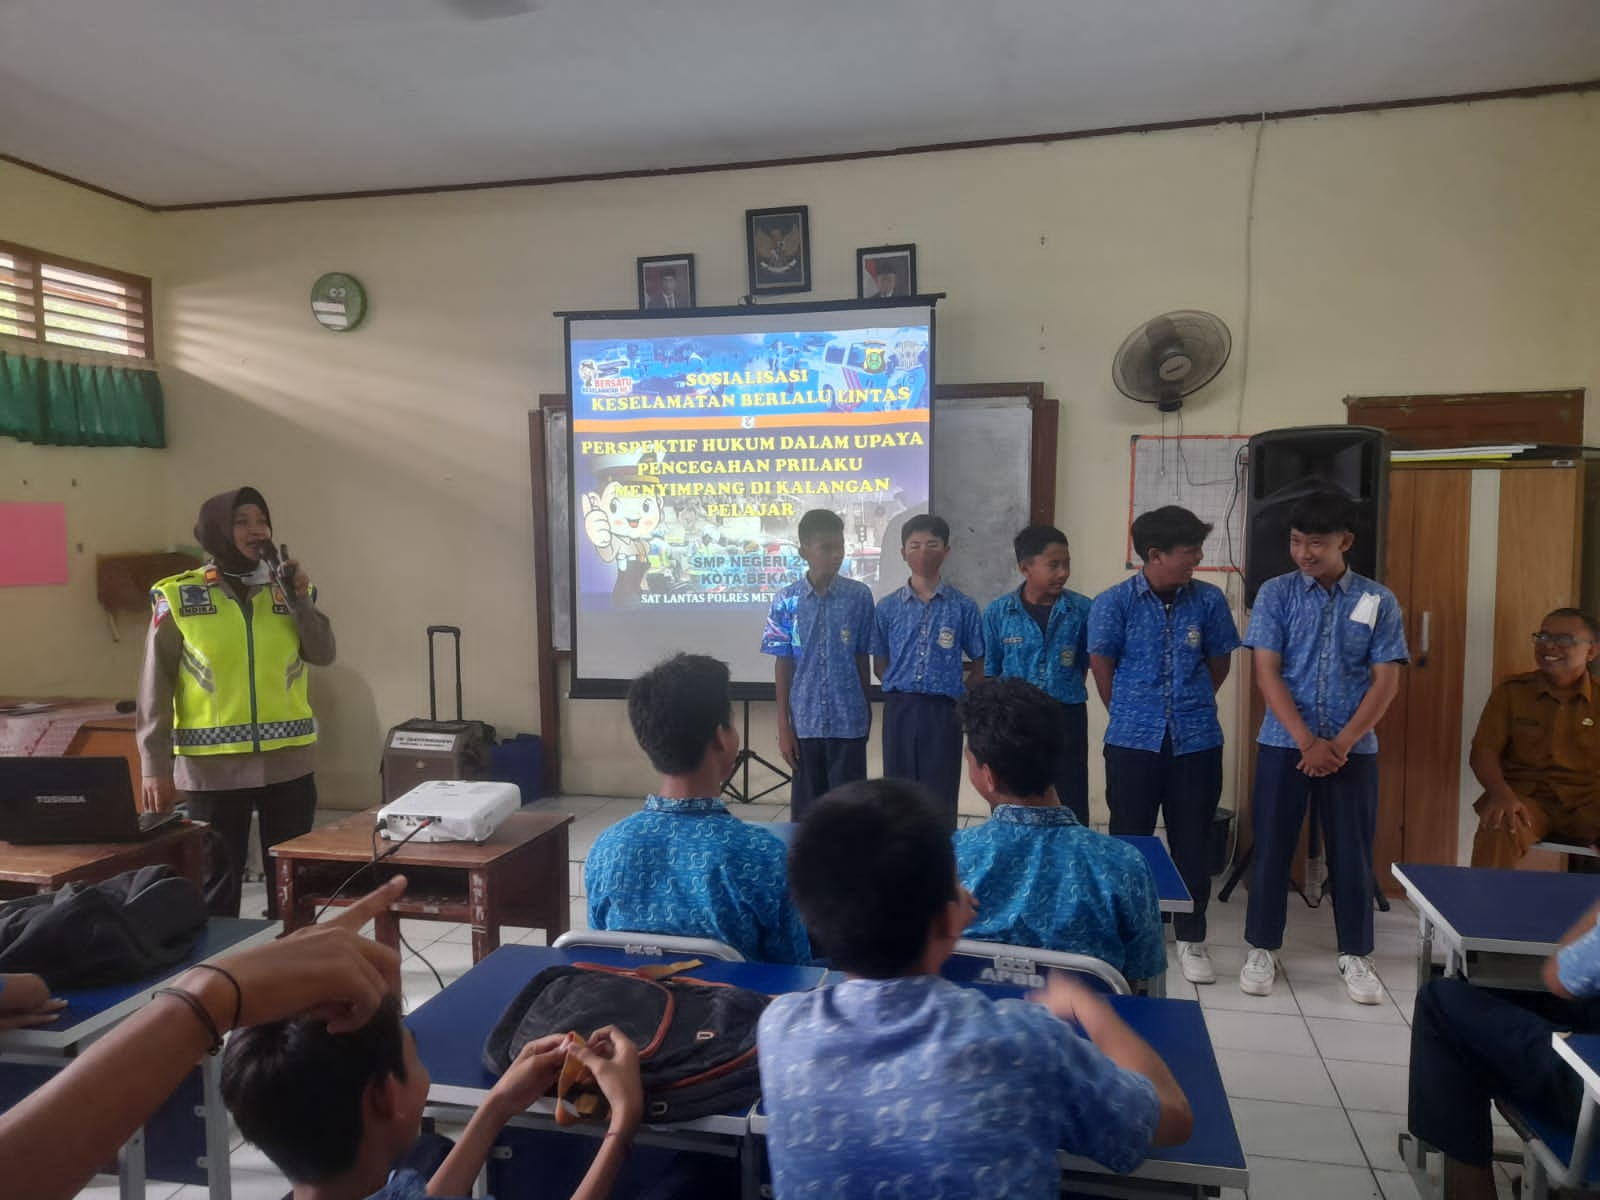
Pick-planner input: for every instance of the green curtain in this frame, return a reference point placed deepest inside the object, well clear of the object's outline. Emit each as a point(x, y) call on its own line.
point(75, 404)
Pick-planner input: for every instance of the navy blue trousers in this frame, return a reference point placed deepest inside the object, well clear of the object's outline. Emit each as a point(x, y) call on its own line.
point(922, 743)
point(824, 764)
point(1347, 807)
point(1185, 789)
point(1470, 1045)
point(1072, 772)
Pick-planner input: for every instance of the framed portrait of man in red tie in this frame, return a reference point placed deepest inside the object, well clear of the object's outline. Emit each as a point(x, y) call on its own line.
point(666, 282)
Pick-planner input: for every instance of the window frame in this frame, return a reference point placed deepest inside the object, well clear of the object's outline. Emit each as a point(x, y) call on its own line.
point(139, 284)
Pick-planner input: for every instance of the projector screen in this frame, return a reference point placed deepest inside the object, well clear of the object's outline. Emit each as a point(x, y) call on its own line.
point(699, 441)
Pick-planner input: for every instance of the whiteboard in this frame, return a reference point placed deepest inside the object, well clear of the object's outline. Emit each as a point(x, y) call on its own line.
point(1204, 474)
point(982, 483)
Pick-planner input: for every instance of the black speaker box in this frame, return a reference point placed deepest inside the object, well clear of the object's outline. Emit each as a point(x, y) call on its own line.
point(1286, 464)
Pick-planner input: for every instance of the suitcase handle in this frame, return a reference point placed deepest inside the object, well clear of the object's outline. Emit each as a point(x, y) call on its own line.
point(433, 704)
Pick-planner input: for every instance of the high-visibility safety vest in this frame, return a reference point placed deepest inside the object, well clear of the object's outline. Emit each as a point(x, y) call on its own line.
point(241, 684)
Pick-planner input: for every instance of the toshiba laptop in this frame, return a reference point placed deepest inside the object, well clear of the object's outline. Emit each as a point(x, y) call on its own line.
point(62, 801)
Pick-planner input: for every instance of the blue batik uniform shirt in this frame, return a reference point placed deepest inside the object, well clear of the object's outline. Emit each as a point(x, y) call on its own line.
point(1162, 686)
point(692, 868)
point(919, 1088)
point(823, 634)
point(1578, 965)
point(1054, 661)
point(925, 640)
point(1041, 879)
point(1329, 641)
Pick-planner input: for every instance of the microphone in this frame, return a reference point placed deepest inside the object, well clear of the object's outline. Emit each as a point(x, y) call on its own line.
point(279, 568)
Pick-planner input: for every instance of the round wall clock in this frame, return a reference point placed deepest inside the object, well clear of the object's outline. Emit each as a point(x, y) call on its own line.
point(338, 301)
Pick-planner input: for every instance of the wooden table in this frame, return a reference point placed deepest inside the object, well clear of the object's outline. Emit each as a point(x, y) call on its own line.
point(28, 869)
point(518, 877)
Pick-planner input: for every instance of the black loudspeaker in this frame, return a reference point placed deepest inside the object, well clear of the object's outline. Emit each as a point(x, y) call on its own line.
point(1286, 464)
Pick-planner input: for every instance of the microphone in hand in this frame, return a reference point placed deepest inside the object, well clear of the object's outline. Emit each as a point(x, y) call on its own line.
point(280, 566)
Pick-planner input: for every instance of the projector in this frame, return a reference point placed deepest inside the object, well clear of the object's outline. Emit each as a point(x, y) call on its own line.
point(450, 810)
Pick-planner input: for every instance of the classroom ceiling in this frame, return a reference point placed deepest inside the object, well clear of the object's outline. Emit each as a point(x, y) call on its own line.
point(185, 101)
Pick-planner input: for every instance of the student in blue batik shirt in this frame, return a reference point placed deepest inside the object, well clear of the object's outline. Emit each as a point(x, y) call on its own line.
point(1158, 648)
point(685, 864)
point(1327, 645)
point(898, 1082)
point(820, 632)
point(1472, 1045)
point(920, 634)
point(1040, 633)
point(1040, 878)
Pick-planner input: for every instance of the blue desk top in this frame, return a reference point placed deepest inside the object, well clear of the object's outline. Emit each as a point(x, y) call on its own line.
point(1173, 894)
point(1514, 912)
point(89, 1011)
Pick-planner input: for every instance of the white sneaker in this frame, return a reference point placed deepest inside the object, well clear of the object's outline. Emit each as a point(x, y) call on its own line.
point(1360, 980)
point(1260, 970)
point(1194, 960)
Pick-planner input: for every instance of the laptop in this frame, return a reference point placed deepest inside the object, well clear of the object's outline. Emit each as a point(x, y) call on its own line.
point(65, 801)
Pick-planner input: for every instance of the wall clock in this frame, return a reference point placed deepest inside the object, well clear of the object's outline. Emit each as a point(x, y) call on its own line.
point(338, 302)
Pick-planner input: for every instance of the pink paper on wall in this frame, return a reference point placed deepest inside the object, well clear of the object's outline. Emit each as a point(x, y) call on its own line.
point(33, 544)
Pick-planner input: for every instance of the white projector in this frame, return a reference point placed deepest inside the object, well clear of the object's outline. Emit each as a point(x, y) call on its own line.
point(449, 810)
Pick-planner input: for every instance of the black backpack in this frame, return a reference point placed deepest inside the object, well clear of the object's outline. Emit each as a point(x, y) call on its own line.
point(697, 1040)
point(95, 934)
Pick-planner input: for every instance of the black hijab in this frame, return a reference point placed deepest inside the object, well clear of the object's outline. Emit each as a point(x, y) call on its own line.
point(214, 529)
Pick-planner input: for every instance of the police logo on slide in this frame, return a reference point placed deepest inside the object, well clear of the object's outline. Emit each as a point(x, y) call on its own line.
point(1193, 637)
point(947, 638)
point(194, 600)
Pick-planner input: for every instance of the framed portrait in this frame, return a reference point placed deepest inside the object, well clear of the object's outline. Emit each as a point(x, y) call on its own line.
point(886, 272)
point(666, 282)
point(778, 249)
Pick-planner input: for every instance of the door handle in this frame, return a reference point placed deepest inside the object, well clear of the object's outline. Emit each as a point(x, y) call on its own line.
point(1427, 638)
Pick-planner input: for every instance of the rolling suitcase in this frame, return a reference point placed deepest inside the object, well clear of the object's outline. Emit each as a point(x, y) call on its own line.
point(419, 750)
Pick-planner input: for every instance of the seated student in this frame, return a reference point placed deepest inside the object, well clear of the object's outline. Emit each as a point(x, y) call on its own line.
point(1040, 633)
point(1537, 748)
point(1040, 878)
point(819, 632)
point(920, 633)
point(899, 1080)
point(335, 1112)
point(686, 865)
point(25, 1001)
point(1471, 1045)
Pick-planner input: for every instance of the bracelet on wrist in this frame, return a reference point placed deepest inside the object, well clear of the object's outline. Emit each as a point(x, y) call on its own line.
point(238, 992)
point(200, 1014)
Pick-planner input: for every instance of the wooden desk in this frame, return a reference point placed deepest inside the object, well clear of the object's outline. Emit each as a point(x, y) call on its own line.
point(28, 869)
point(518, 877)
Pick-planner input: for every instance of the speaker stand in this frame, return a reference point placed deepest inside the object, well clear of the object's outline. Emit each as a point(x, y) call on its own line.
point(740, 791)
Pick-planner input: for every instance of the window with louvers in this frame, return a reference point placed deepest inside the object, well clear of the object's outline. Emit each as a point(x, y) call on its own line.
point(61, 302)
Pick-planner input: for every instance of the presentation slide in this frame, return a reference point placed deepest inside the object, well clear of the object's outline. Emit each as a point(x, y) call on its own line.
point(698, 443)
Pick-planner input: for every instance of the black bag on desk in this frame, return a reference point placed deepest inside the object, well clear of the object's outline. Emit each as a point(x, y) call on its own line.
point(697, 1040)
point(95, 934)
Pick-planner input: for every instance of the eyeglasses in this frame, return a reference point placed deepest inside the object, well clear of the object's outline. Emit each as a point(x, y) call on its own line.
point(1561, 641)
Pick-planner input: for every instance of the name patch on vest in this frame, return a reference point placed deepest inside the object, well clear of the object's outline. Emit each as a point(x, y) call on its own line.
point(194, 600)
point(279, 604)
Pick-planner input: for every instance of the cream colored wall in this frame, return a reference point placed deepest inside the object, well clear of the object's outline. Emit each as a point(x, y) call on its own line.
point(55, 640)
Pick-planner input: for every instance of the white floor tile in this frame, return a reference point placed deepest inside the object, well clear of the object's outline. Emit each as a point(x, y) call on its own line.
point(1271, 1032)
point(1332, 1001)
point(249, 1158)
point(1405, 999)
point(456, 933)
point(1283, 1179)
point(1371, 1086)
point(259, 1185)
point(1303, 1132)
point(1397, 1185)
point(1362, 1041)
point(104, 1187)
point(1295, 1079)
point(1225, 994)
point(1379, 1133)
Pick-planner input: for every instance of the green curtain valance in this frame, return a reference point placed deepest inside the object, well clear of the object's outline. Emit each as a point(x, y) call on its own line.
point(59, 403)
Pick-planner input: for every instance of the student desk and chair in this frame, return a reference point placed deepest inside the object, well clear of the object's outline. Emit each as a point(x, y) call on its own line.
point(187, 1140)
point(451, 1028)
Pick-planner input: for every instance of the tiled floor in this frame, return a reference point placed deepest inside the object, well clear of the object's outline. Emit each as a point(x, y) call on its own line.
point(1317, 1083)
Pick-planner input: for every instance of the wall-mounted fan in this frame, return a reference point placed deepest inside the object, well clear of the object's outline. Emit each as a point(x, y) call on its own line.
point(1170, 357)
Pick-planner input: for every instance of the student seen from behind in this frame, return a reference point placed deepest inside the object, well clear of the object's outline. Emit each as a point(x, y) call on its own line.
point(685, 865)
point(1040, 633)
point(1159, 647)
point(819, 631)
point(921, 633)
point(1040, 878)
point(898, 1078)
point(337, 1113)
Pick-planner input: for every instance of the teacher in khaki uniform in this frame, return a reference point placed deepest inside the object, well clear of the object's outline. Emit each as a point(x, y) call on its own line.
point(224, 716)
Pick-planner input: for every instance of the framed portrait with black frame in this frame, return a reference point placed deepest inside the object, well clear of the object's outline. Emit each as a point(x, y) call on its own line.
point(778, 250)
point(666, 282)
point(886, 272)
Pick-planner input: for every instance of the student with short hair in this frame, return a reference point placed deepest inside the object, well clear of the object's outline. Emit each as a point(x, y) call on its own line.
point(1159, 647)
point(336, 1112)
point(685, 865)
point(1040, 633)
point(1327, 645)
point(898, 1079)
point(920, 634)
point(819, 631)
point(1040, 878)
